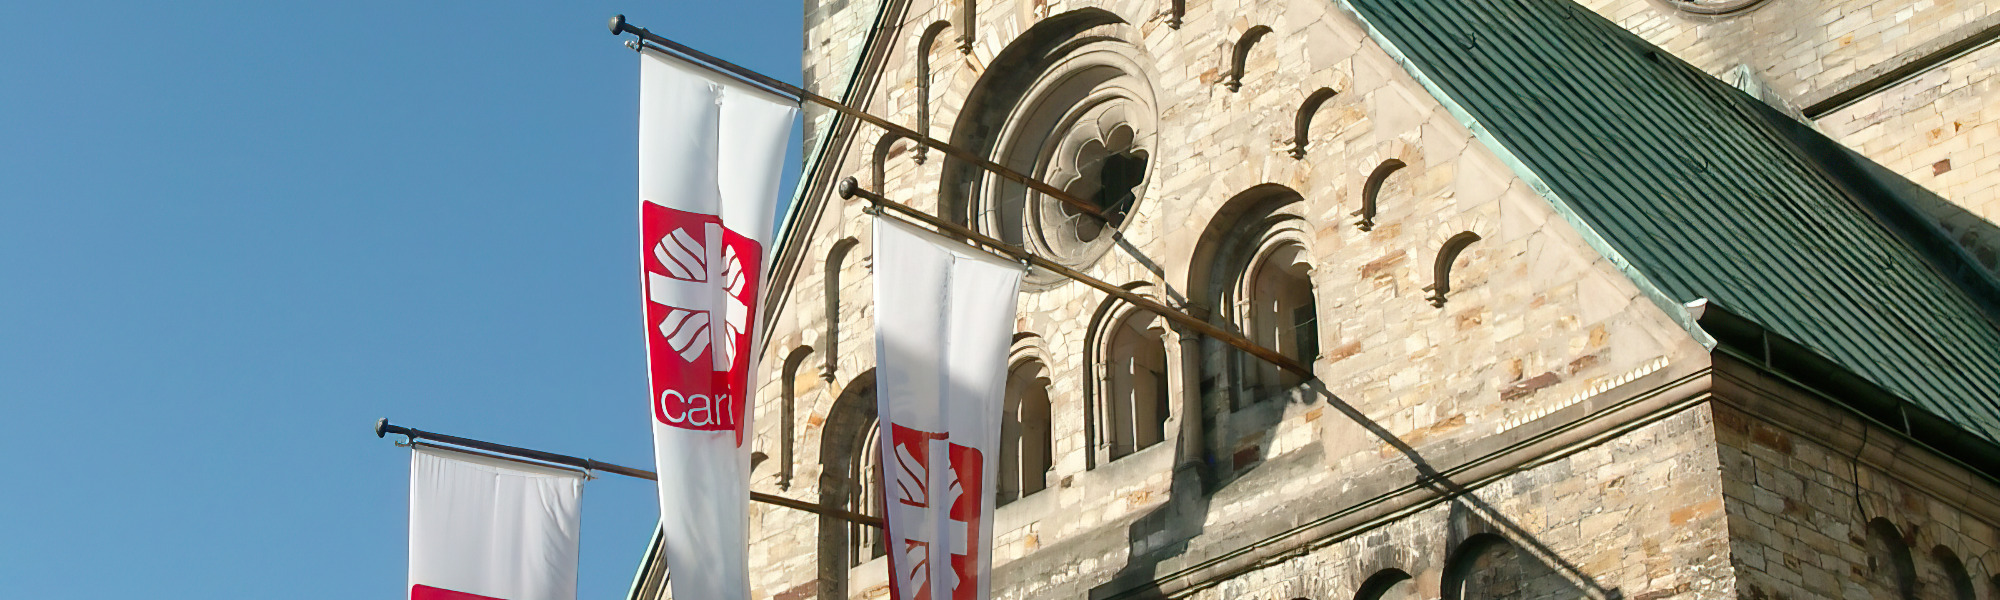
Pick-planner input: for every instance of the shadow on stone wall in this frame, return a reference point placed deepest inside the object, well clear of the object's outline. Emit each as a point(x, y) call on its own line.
point(1491, 555)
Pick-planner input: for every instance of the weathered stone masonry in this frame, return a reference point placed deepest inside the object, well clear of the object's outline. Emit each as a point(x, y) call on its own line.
point(1541, 429)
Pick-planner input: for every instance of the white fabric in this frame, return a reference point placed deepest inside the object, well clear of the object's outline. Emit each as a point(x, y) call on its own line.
point(493, 528)
point(710, 147)
point(944, 321)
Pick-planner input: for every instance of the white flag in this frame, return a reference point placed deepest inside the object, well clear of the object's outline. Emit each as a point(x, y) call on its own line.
point(484, 528)
point(710, 151)
point(944, 318)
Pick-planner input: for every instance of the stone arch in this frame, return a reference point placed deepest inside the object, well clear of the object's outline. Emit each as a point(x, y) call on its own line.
point(925, 44)
point(1949, 574)
point(1070, 102)
point(1128, 398)
point(1240, 54)
point(878, 168)
point(1487, 566)
point(1388, 584)
point(849, 453)
point(1302, 123)
point(788, 413)
point(1371, 192)
point(1258, 240)
point(831, 278)
point(1441, 268)
point(1890, 572)
point(1384, 171)
point(1027, 433)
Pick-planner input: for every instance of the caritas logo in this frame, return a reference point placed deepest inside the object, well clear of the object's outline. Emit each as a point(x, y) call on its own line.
point(955, 546)
point(701, 286)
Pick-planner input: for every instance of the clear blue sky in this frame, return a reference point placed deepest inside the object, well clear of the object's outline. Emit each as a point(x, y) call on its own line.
point(232, 235)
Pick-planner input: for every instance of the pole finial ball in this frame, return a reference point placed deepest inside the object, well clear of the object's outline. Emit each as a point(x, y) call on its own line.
point(617, 24)
point(848, 186)
point(381, 427)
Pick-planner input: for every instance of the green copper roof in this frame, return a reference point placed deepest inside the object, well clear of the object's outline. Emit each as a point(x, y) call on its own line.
point(1701, 192)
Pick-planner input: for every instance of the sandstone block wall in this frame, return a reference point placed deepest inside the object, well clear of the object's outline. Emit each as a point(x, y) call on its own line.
point(1802, 488)
point(1538, 334)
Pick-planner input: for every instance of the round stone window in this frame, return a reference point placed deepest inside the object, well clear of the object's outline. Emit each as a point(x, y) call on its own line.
point(1713, 7)
point(1099, 159)
point(1084, 124)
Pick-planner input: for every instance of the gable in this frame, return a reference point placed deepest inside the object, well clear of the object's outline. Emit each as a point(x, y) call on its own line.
point(1686, 182)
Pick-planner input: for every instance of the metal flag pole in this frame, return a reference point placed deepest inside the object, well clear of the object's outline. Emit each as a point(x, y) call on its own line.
point(383, 429)
point(850, 188)
point(701, 59)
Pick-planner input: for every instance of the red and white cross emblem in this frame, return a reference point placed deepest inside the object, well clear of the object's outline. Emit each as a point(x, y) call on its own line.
point(916, 496)
point(701, 287)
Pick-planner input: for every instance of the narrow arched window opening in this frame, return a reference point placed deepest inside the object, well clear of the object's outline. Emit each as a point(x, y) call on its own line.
point(1302, 125)
point(1489, 567)
point(1441, 269)
point(1950, 575)
point(1890, 573)
point(1283, 315)
point(850, 453)
point(866, 542)
point(1135, 401)
point(1388, 584)
point(1027, 445)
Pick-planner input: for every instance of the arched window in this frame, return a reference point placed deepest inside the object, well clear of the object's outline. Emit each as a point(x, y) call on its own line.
point(1135, 376)
point(1281, 314)
point(1948, 576)
point(1026, 442)
point(1252, 268)
point(1890, 574)
point(866, 543)
point(850, 452)
point(1488, 567)
point(1388, 584)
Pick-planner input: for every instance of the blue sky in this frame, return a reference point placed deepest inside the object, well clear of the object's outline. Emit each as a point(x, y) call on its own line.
point(232, 235)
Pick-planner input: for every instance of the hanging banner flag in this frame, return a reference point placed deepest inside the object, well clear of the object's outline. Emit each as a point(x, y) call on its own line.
point(944, 321)
point(484, 528)
point(710, 154)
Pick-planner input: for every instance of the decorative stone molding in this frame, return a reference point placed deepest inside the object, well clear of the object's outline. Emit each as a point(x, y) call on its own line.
point(1082, 118)
point(1714, 7)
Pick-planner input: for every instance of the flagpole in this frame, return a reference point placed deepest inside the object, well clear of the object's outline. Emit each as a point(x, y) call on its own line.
point(383, 429)
point(850, 188)
point(704, 60)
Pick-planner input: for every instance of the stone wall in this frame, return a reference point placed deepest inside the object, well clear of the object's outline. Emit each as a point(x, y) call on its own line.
point(1803, 481)
point(1940, 129)
point(1538, 333)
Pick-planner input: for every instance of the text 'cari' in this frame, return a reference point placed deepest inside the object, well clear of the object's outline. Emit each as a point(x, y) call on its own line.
point(698, 411)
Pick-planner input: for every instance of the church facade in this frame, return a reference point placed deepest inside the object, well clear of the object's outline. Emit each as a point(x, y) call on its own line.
point(1586, 318)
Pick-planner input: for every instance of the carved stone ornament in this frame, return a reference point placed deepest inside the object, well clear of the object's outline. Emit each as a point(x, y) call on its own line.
point(1714, 7)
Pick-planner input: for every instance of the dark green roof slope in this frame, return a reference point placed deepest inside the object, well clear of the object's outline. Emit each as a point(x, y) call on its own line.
point(1691, 182)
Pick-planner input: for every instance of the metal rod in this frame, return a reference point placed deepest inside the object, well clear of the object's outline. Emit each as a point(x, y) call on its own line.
point(383, 429)
point(850, 188)
point(619, 26)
